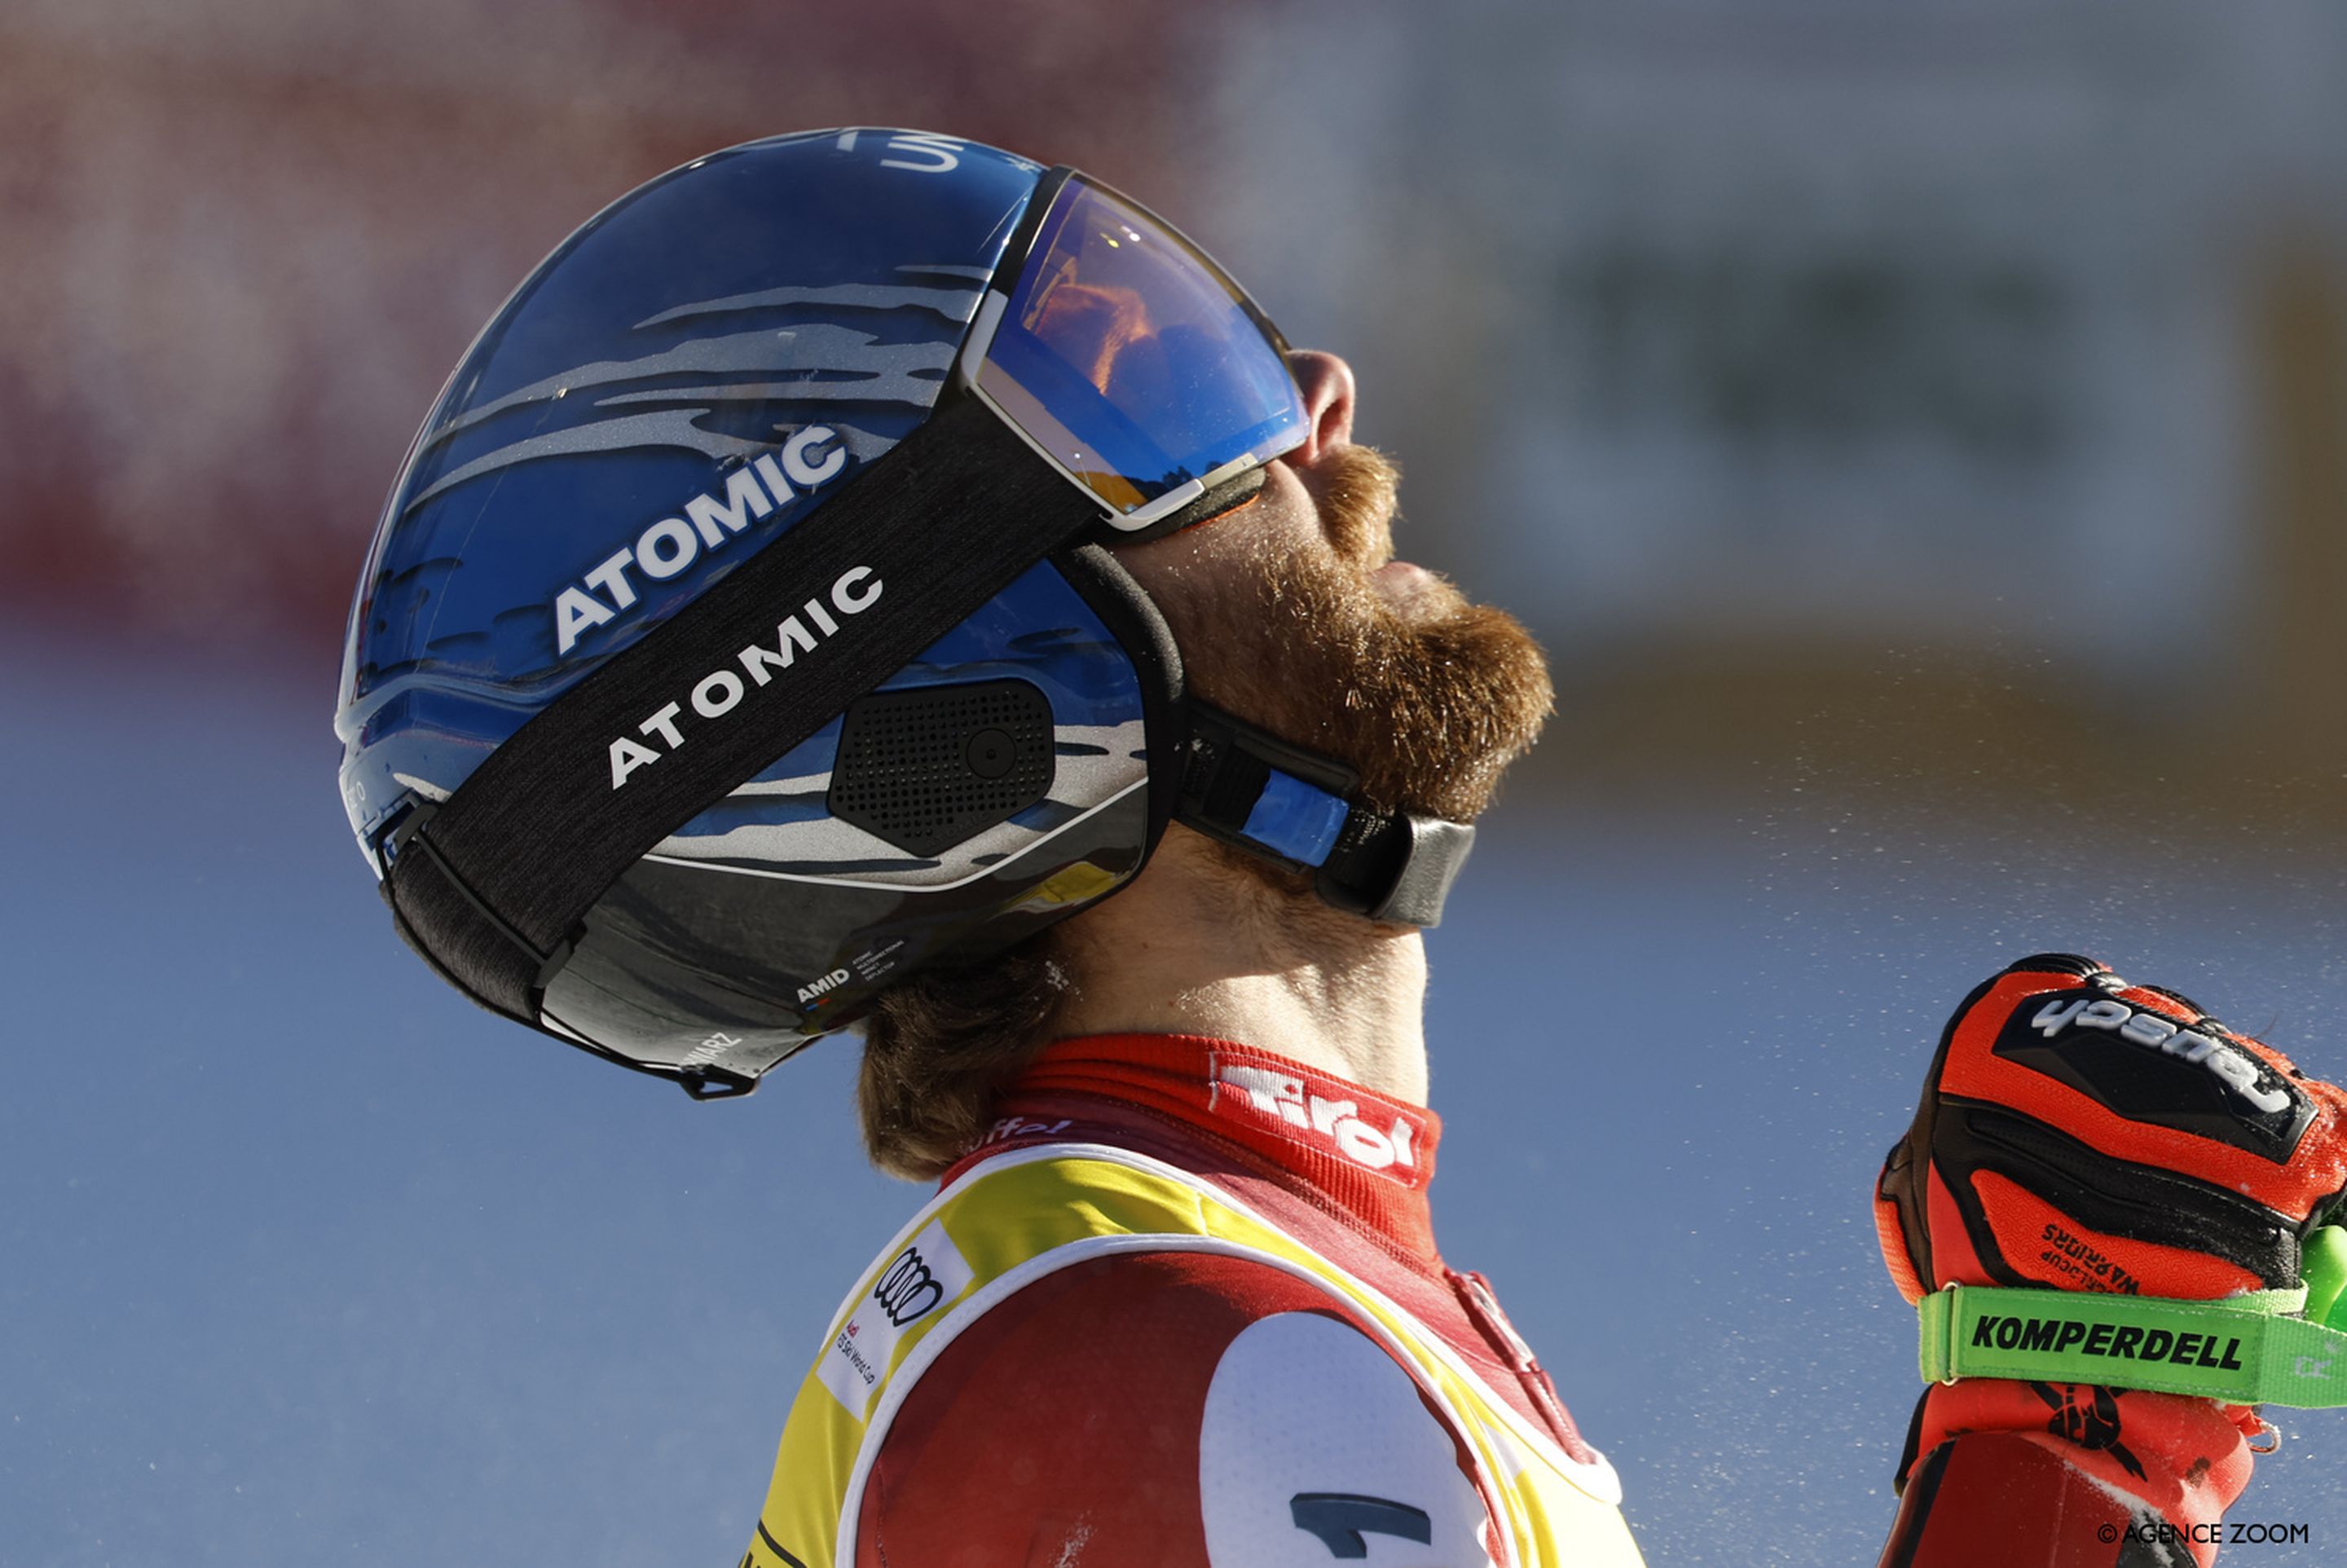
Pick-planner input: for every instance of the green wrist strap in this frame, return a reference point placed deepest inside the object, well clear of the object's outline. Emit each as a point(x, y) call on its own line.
point(2322, 1263)
point(2242, 1350)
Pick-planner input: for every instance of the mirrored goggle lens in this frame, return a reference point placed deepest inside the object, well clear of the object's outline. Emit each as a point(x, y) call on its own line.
point(1132, 359)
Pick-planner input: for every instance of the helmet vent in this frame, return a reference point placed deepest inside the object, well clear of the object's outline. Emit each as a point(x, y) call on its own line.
point(928, 768)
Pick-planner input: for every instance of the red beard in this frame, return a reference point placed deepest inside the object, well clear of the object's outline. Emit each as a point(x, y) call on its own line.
point(1427, 696)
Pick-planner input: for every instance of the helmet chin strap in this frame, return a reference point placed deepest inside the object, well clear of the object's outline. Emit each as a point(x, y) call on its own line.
point(1235, 781)
point(1303, 811)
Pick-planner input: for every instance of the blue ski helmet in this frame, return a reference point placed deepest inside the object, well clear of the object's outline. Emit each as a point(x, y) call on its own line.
point(738, 638)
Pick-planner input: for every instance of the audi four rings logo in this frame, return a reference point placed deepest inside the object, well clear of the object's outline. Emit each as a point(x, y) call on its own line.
point(922, 1278)
point(908, 1288)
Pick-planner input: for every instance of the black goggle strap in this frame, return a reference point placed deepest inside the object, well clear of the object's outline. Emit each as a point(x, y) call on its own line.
point(491, 885)
point(1298, 809)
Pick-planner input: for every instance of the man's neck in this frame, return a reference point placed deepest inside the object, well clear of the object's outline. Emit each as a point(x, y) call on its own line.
point(1201, 945)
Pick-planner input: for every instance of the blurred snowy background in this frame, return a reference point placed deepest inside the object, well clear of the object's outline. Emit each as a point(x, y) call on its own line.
point(1921, 438)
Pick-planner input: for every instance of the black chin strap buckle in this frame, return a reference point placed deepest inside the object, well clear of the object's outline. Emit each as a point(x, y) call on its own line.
point(1301, 810)
point(1432, 852)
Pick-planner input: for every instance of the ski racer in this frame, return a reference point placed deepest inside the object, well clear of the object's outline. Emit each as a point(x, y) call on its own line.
point(869, 578)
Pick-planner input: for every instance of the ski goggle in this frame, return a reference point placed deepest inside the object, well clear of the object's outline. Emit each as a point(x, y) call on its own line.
point(1122, 353)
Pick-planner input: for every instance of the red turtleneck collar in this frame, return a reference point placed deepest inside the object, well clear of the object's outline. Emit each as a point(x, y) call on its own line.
point(1348, 1148)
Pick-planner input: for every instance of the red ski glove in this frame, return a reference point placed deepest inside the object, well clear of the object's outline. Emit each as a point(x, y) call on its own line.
point(2080, 1134)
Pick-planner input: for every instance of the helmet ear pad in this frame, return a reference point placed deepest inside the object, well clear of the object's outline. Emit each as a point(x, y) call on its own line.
point(1139, 627)
point(770, 964)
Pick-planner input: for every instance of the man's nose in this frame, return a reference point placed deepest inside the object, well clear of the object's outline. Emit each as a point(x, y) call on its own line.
point(1328, 384)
